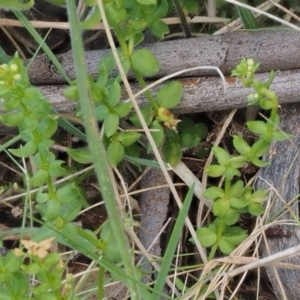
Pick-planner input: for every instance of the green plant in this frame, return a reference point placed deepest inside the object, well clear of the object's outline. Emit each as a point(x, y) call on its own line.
point(16, 4)
point(99, 100)
point(26, 108)
point(233, 198)
point(129, 19)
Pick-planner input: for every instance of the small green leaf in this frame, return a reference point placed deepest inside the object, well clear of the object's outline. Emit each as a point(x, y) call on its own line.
point(101, 112)
point(99, 92)
point(232, 216)
point(236, 162)
point(159, 29)
point(259, 163)
point(255, 209)
point(68, 193)
point(29, 124)
point(111, 123)
point(236, 189)
point(160, 12)
point(213, 193)
point(186, 124)
point(169, 95)
point(144, 62)
point(147, 113)
point(281, 136)
point(82, 156)
point(114, 93)
point(188, 139)
point(226, 246)
point(11, 103)
point(206, 237)
point(191, 6)
point(231, 172)
point(27, 150)
point(257, 127)
point(69, 211)
point(71, 92)
point(241, 145)
point(222, 155)
point(52, 209)
point(92, 20)
point(47, 127)
point(115, 152)
point(247, 17)
point(107, 64)
point(125, 62)
point(172, 153)
point(236, 235)
point(201, 130)
point(115, 14)
point(266, 104)
point(260, 148)
point(221, 207)
point(259, 196)
point(12, 262)
point(41, 197)
point(123, 109)
point(12, 119)
point(39, 178)
point(238, 202)
point(31, 269)
point(112, 251)
point(127, 138)
point(157, 134)
point(215, 170)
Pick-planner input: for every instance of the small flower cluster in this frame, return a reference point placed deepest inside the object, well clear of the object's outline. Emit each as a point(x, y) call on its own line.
point(36, 249)
point(13, 78)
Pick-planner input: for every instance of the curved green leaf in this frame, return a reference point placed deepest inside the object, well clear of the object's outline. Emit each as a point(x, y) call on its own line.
point(169, 95)
point(111, 123)
point(144, 62)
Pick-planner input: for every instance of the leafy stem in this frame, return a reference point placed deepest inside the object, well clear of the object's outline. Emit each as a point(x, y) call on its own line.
point(234, 198)
point(98, 153)
point(148, 94)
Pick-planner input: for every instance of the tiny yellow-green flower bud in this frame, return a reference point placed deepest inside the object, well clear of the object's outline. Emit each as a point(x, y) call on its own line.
point(13, 68)
point(250, 62)
point(17, 76)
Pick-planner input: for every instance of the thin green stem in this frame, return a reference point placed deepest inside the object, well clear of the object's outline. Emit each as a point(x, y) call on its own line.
point(122, 42)
point(101, 294)
point(227, 187)
point(98, 153)
point(147, 93)
point(10, 142)
point(213, 251)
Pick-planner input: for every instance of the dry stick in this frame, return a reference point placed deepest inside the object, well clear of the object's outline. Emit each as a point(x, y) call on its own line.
point(65, 25)
point(274, 50)
point(199, 94)
point(154, 209)
point(283, 173)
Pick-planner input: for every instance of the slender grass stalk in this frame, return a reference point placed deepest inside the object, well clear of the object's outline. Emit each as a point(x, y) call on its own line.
point(98, 154)
point(10, 142)
point(173, 241)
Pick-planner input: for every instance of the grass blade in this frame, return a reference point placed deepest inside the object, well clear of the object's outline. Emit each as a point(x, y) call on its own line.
point(176, 233)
